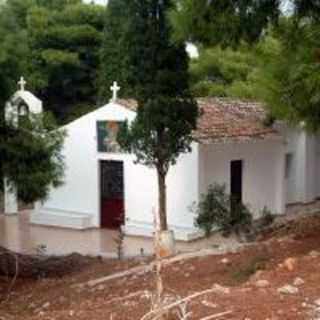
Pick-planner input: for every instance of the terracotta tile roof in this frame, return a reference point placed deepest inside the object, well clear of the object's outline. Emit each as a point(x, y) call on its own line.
point(229, 120)
point(225, 120)
point(130, 104)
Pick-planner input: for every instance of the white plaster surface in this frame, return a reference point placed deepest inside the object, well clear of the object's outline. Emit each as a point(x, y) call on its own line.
point(76, 204)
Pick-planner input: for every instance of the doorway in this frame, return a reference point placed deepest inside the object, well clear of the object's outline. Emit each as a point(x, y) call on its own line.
point(112, 194)
point(236, 173)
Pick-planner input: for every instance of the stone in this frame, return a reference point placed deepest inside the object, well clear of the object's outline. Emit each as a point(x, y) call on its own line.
point(101, 287)
point(288, 289)
point(317, 302)
point(290, 263)
point(257, 275)
point(314, 254)
point(225, 261)
point(220, 289)
point(298, 282)
point(262, 283)
point(46, 305)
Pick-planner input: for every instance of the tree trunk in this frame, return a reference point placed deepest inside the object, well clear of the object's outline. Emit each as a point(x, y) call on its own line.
point(162, 212)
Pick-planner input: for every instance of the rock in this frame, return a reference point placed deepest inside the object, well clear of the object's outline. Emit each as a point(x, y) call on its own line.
point(257, 275)
point(288, 289)
point(225, 261)
point(314, 254)
point(101, 287)
point(290, 263)
point(298, 281)
point(220, 289)
point(71, 313)
point(317, 302)
point(46, 305)
point(192, 268)
point(262, 283)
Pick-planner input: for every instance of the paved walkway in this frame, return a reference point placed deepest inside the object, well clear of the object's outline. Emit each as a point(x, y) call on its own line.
point(17, 234)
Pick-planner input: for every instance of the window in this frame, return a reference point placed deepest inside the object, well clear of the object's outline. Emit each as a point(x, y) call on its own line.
point(107, 132)
point(289, 165)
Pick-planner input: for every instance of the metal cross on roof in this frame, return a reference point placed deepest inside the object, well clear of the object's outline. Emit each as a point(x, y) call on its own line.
point(115, 88)
point(22, 83)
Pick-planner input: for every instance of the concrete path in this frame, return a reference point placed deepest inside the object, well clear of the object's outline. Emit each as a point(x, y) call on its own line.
point(17, 234)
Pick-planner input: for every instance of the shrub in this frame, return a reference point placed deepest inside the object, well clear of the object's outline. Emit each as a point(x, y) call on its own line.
point(214, 210)
point(240, 220)
point(267, 217)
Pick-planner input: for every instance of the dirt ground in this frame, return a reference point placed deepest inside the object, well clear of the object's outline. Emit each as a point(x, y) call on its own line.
point(244, 284)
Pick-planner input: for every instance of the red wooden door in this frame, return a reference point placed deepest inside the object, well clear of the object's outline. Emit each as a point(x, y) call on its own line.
point(112, 194)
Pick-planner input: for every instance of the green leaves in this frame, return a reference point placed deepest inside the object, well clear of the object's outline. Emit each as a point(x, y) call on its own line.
point(289, 79)
point(62, 41)
point(224, 72)
point(31, 156)
point(224, 22)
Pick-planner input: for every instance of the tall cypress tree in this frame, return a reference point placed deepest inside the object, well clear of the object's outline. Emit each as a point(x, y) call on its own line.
point(167, 113)
point(113, 64)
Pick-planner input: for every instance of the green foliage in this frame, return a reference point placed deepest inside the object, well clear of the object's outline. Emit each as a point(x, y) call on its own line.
point(31, 156)
point(267, 218)
point(158, 71)
point(224, 72)
point(289, 78)
point(13, 50)
point(224, 22)
point(216, 209)
point(61, 41)
point(113, 56)
point(64, 41)
point(213, 209)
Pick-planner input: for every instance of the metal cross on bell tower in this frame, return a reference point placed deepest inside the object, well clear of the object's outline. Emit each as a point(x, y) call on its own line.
point(22, 83)
point(114, 88)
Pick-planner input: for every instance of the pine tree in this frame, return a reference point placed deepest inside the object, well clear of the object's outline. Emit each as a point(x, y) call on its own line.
point(30, 154)
point(224, 22)
point(166, 112)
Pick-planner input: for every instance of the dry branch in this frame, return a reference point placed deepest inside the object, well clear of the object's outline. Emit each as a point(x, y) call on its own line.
point(217, 315)
point(177, 303)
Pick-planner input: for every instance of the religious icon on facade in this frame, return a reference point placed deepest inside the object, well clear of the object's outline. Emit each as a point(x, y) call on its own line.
point(107, 136)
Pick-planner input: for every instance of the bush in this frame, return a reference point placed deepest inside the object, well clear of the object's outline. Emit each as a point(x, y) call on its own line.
point(214, 210)
point(267, 217)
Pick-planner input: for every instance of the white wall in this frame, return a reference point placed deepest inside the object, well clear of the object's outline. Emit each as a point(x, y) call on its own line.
point(302, 185)
point(141, 194)
point(263, 172)
point(80, 195)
